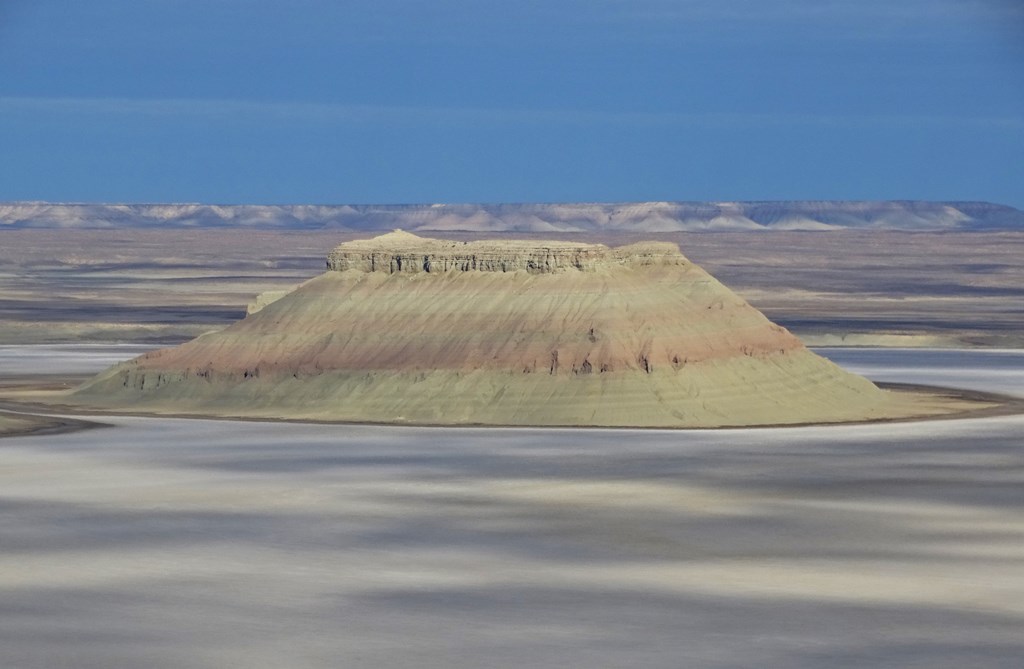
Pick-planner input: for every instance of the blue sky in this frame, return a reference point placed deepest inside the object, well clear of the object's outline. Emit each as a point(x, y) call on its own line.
point(389, 101)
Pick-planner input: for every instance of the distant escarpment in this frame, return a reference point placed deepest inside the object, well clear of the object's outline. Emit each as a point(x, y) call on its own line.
point(403, 329)
point(628, 217)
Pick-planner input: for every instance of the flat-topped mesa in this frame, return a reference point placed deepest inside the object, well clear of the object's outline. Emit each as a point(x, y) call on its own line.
point(499, 332)
point(402, 252)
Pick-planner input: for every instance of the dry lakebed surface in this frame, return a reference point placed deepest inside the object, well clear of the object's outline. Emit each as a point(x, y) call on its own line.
point(163, 542)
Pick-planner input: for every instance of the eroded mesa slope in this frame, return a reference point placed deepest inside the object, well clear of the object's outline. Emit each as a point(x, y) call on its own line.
point(405, 329)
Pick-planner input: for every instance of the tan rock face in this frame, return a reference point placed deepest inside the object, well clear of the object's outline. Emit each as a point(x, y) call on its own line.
point(413, 330)
point(403, 252)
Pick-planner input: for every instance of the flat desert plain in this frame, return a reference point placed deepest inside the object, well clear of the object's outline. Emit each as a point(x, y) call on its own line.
point(836, 287)
point(164, 542)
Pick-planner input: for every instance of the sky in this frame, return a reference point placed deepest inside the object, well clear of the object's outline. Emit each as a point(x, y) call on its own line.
point(408, 101)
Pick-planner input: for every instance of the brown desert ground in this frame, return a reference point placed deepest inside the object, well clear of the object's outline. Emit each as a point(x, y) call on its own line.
point(25, 424)
point(11, 424)
point(840, 287)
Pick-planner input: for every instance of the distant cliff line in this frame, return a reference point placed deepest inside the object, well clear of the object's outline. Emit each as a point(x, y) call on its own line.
point(634, 217)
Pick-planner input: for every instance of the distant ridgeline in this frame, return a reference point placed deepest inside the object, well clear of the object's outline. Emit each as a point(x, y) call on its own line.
point(641, 217)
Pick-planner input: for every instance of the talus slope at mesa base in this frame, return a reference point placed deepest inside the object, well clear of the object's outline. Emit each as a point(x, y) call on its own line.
point(402, 329)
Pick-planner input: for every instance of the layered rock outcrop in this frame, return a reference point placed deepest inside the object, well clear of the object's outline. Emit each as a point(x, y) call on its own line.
point(405, 329)
point(404, 252)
